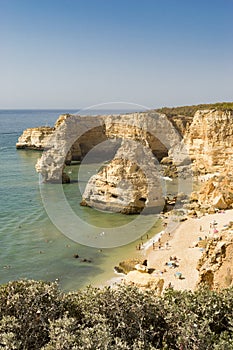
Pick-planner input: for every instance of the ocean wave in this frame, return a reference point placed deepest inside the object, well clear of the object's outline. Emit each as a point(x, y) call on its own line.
point(10, 133)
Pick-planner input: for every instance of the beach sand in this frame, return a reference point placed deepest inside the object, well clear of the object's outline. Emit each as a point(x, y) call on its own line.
point(181, 243)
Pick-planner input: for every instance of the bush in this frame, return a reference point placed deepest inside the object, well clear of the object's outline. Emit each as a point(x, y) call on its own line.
point(36, 315)
point(189, 111)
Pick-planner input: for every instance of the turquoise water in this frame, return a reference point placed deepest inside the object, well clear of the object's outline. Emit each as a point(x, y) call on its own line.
point(30, 244)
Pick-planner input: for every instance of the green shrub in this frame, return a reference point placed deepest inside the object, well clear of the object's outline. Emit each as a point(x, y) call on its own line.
point(189, 111)
point(36, 315)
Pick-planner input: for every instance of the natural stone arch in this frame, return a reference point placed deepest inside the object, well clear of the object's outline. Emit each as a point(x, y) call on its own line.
point(145, 127)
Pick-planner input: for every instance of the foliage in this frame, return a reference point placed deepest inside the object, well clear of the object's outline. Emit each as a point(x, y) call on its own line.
point(36, 315)
point(189, 111)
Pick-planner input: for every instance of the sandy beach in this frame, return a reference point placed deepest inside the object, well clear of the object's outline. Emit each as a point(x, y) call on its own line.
point(181, 244)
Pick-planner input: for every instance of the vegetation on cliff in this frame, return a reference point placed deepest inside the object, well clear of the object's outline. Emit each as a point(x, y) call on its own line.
point(36, 315)
point(189, 111)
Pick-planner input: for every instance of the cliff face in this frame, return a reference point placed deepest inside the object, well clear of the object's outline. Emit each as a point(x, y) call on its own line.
point(217, 192)
point(215, 265)
point(35, 138)
point(206, 139)
point(209, 140)
point(128, 184)
point(65, 145)
point(208, 136)
point(81, 133)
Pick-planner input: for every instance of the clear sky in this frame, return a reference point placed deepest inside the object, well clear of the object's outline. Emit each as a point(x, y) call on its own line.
point(76, 53)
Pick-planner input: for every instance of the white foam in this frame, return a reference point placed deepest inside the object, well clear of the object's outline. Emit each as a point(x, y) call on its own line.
point(154, 239)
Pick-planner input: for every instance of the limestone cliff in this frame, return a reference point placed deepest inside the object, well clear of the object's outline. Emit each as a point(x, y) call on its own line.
point(65, 145)
point(75, 135)
point(128, 184)
point(209, 140)
point(205, 138)
point(208, 136)
point(35, 138)
point(217, 192)
point(215, 266)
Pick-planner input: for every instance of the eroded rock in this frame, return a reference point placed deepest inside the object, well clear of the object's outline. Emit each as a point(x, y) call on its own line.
point(35, 138)
point(215, 265)
point(144, 281)
point(129, 184)
point(209, 140)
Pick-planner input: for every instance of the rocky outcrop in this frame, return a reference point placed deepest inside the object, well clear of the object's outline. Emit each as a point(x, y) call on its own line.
point(215, 266)
point(208, 136)
point(128, 184)
point(35, 138)
point(148, 129)
point(181, 123)
point(209, 140)
point(65, 145)
point(128, 265)
point(144, 281)
point(215, 194)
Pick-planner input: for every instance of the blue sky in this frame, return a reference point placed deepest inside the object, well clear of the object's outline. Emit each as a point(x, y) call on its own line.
point(76, 53)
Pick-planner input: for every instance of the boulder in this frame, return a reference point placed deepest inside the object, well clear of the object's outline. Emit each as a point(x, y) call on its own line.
point(144, 281)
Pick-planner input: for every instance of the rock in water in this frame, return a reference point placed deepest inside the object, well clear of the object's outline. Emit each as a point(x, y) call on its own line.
point(129, 184)
point(75, 135)
point(35, 138)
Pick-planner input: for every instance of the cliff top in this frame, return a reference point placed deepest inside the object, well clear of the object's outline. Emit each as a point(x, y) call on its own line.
point(189, 111)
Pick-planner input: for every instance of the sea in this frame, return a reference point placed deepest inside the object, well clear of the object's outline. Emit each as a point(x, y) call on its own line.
point(31, 245)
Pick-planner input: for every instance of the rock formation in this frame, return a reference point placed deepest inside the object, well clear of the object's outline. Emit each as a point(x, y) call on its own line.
point(144, 281)
point(131, 182)
point(35, 138)
point(128, 265)
point(128, 184)
point(209, 140)
point(215, 265)
point(208, 135)
point(217, 192)
point(65, 145)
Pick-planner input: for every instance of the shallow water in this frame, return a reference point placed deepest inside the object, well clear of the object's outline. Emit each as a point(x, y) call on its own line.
point(30, 244)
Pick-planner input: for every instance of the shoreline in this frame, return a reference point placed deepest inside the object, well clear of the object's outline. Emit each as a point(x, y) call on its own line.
point(180, 242)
